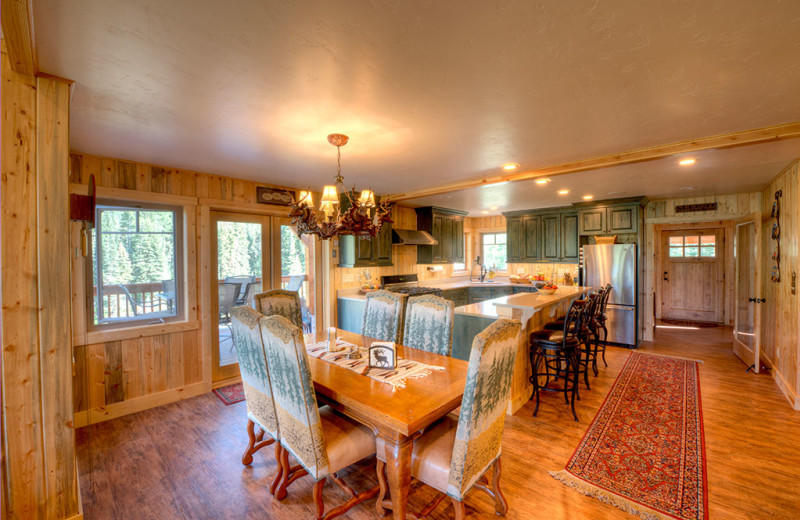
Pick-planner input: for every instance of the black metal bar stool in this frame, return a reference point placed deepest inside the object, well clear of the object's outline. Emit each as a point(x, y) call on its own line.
point(559, 351)
point(601, 318)
point(585, 334)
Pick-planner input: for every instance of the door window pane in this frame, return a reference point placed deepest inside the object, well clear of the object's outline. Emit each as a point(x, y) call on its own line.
point(708, 240)
point(675, 252)
point(676, 241)
point(239, 270)
point(691, 241)
point(708, 252)
point(691, 251)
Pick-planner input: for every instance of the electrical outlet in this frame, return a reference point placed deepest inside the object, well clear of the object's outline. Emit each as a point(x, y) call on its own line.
point(333, 253)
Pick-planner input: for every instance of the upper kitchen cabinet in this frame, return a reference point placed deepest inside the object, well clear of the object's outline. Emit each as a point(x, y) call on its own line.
point(447, 228)
point(370, 252)
point(610, 217)
point(549, 235)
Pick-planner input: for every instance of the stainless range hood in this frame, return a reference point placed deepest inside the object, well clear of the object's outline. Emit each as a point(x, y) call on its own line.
point(412, 237)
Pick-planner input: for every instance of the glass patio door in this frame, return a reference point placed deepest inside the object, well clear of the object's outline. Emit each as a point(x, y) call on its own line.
point(294, 266)
point(241, 267)
point(747, 292)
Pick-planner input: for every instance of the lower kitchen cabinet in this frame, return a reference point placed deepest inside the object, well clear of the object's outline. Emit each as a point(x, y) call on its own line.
point(349, 314)
point(458, 296)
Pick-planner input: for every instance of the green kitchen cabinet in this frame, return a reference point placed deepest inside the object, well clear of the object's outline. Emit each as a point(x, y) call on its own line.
point(514, 239)
point(369, 252)
point(459, 296)
point(447, 228)
point(549, 235)
point(610, 219)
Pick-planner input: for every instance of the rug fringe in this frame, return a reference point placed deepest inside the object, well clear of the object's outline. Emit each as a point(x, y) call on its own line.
point(629, 506)
point(669, 356)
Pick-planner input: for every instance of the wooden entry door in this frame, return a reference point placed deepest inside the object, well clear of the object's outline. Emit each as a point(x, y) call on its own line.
point(692, 278)
point(747, 292)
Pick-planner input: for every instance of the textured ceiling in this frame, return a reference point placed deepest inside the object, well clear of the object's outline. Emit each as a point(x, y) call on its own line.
point(430, 92)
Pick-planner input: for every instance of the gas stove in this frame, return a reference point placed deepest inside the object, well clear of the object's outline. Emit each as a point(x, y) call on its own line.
point(407, 284)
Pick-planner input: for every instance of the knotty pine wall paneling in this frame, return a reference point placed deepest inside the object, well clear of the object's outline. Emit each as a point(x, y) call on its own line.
point(661, 214)
point(779, 315)
point(127, 370)
point(39, 471)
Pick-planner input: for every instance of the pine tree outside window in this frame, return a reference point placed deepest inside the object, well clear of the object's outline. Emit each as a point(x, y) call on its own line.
point(136, 268)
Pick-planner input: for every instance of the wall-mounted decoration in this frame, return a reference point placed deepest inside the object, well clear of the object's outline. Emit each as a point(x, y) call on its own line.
point(690, 208)
point(382, 354)
point(278, 196)
point(82, 209)
point(776, 236)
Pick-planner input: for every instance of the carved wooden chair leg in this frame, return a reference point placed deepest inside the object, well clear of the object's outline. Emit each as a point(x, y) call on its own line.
point(380, 469)
point(276, 480)
point(290, 474)
point(461, 509)
point(500, 503)
point(256, 442)
point(318, 485)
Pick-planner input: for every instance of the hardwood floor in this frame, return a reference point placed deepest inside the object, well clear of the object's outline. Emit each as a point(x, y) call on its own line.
point(183, 460)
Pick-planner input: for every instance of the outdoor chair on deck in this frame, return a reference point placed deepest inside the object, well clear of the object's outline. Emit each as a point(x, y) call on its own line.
point(227, 300)
point(383, 316)
point(147, 307)
point(257, 386)
point(453, 455)
point(241, 282)
point(429, 324)
point(250, 292)
point(321, 440)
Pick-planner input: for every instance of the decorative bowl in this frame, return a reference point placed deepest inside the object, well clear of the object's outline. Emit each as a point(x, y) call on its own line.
point(548, 292)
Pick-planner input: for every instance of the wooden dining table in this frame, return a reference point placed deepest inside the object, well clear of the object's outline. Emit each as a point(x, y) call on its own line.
point(398, 416)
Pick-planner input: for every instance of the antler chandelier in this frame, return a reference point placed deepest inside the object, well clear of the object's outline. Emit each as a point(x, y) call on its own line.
point(340, 212)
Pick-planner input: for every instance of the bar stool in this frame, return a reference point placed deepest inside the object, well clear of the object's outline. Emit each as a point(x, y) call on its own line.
point(601, 319)
point(559, 351)
point(585, 334)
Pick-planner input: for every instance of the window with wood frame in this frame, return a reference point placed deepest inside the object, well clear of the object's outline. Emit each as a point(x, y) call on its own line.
point(693, 246)
point(136, 271)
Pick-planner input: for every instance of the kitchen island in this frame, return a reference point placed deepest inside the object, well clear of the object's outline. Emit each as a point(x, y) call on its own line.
point(533, 310)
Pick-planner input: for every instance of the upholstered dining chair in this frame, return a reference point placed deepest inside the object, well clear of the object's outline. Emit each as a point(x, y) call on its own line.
point(321, 440)
point(282, 303)
point(453, 456)
point(383, 316)
point(257, 386)
point(429, 324)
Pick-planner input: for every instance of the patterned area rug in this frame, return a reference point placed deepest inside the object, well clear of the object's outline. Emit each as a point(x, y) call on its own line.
point(645, 452)
point(230, 394)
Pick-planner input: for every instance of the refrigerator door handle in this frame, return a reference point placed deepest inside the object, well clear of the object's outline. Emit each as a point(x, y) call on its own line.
point(627, 308)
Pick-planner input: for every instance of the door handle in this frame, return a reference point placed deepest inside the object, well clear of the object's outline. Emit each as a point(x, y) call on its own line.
point(666, 276)
point(757, 300)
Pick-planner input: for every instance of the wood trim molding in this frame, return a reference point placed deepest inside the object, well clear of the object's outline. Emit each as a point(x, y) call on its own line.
point(142, 331)
point(271, 210)
point(112, 411)
point(133, 195)
point(758, 135)
point(17, 21)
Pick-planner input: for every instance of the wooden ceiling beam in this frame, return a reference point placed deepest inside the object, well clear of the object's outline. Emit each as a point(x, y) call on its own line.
point(17, 21)
point(759, 135)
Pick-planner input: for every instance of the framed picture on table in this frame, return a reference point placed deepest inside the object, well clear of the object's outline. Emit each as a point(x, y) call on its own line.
point(383, 354)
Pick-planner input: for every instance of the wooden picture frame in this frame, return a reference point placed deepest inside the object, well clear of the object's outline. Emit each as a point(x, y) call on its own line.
point(383, 355)
point(275, 196)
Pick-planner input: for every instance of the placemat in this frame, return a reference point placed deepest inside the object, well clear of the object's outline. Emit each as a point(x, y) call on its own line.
point(405, 369)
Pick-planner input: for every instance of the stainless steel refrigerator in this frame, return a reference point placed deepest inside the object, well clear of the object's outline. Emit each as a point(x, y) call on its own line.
point(615, 264)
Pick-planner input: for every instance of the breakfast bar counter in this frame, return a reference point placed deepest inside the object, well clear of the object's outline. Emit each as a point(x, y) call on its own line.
point(533, 310)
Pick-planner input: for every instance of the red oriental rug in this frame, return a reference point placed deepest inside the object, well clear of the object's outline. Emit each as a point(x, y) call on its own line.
point(645, 452)
point(230, 394)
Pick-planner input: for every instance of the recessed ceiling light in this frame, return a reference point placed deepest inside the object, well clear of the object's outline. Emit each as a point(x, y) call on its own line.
point(510, 166)
point(563, 192)
point(542, 181)
point(493, 208)
point(485, 212)
point(687, 162)
point(588, 197)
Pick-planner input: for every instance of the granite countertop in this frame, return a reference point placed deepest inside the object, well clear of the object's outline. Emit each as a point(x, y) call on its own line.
point(355, 294)
point(501, 307)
